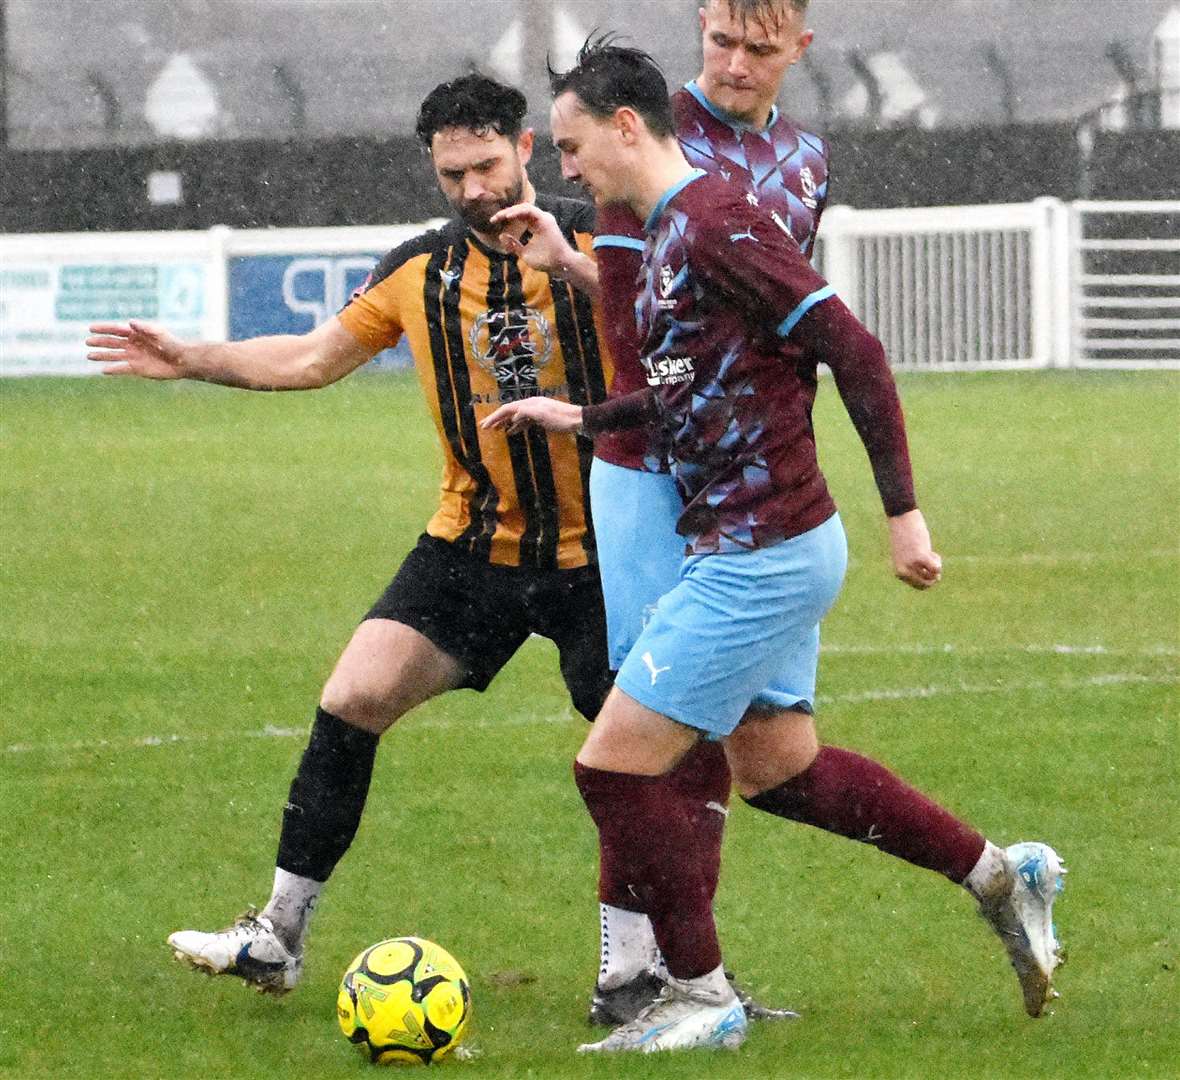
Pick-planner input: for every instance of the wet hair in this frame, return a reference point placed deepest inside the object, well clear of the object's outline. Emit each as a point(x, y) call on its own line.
point(764, 10)
point(474, 101)
point(607, 77)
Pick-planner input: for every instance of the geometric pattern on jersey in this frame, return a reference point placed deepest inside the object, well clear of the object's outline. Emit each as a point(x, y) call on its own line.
point(784, 167)
point(485, 328)
point(719, 282)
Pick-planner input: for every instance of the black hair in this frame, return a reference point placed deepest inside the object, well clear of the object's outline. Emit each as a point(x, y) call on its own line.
point(473, 101)
point(607, 77)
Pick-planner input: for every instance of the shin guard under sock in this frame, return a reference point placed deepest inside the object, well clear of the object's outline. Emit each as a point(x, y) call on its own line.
point(854, 796)
point(646, 838)
point(327, 797)
point(703, 782)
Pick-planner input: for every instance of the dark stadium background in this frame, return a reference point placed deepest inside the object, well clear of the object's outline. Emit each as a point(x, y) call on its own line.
point(317, 102)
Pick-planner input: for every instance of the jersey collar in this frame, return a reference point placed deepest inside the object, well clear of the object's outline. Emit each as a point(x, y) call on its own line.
point(739, 126)
point(657, 211)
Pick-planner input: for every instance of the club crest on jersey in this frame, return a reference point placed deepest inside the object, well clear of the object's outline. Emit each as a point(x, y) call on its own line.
point(666, 301)
point(667, 278)
point(513, 346)
point(807, 180)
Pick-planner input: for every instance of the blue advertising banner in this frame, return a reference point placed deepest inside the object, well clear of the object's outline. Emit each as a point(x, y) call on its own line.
point(291, 294)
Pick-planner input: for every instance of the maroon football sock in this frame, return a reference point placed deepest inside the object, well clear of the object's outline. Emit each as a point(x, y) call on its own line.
point(846, 793)
point(703, 781)
point(646, 839)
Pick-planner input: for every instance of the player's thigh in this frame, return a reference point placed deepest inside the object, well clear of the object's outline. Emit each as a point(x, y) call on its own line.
point(719, 639)
point(768, 748)
point(456, 613)
point(568, 609)
point(387, 669)
point(628, 737)
point(639, 550)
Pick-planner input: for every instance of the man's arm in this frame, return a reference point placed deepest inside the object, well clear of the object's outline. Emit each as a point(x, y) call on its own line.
point(763, 269)
point(281, 362)
point(829, 333)
point(618, 414)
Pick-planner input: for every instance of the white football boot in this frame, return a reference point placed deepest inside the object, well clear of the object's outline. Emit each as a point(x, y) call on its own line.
point(681, 1017)
point(1020, 910)
point(249, 949)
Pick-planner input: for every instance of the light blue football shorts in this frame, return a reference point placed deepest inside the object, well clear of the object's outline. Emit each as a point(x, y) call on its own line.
point(639, 550)
point(738, 629)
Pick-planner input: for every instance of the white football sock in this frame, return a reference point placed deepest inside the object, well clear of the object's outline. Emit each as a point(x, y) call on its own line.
point(712, 986)
point(290, 907)
point(627, 948)
point(988, 873)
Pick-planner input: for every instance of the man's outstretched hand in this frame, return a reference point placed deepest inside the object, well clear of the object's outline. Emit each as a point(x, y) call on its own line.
point(548, 413)
point(135, 348)
point(533, 235)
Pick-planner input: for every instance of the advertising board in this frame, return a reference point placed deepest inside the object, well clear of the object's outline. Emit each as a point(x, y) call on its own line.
point(46, 306)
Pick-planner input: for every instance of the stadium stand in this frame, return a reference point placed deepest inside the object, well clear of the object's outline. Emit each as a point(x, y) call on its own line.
point(292, 68)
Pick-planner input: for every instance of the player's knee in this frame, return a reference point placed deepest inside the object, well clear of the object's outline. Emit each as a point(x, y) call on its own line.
point(763, 756)
point(360, 707)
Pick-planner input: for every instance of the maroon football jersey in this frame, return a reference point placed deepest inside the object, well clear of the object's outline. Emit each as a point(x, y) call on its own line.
point(733, 322)
point(784, 166)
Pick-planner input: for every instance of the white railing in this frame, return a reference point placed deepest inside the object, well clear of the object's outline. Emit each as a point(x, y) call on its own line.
point(1125, 300)
point(955, 288)
point(1025, 285)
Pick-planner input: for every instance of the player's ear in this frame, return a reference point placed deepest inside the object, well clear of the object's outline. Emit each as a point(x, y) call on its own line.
point(626, 123)
point(524, 145)
point(801, 44)
point(702, 18)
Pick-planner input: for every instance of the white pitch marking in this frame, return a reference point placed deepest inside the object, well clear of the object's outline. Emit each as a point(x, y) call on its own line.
point(908, 693)
point(1051, 558)
point(983, 650)
point(1027, 685)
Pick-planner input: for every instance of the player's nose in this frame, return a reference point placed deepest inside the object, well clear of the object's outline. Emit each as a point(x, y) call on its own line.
point(473, 188)
point(737, 64)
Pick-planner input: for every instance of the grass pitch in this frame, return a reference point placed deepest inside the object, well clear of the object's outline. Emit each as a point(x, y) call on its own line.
point(181, 565)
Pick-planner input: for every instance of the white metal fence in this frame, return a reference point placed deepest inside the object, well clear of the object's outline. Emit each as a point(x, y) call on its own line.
point(1126, 283)
point(1025, 285)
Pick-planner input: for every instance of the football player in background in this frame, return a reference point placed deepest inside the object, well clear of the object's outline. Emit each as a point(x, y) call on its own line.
point(733, 322)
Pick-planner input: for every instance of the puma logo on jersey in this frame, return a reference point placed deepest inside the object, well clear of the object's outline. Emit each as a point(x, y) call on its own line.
point(651, 666)
point(449, 277)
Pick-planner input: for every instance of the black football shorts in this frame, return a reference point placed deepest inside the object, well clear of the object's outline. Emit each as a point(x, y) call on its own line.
point(480, 614)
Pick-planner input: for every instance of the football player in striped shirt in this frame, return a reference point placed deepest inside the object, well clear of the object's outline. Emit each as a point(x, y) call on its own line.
point(510, 549)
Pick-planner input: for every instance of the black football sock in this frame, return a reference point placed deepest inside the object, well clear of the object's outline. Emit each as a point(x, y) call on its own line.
point(327, 797)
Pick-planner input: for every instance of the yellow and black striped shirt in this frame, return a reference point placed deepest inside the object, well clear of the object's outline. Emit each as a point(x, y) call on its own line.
point(486, 328)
